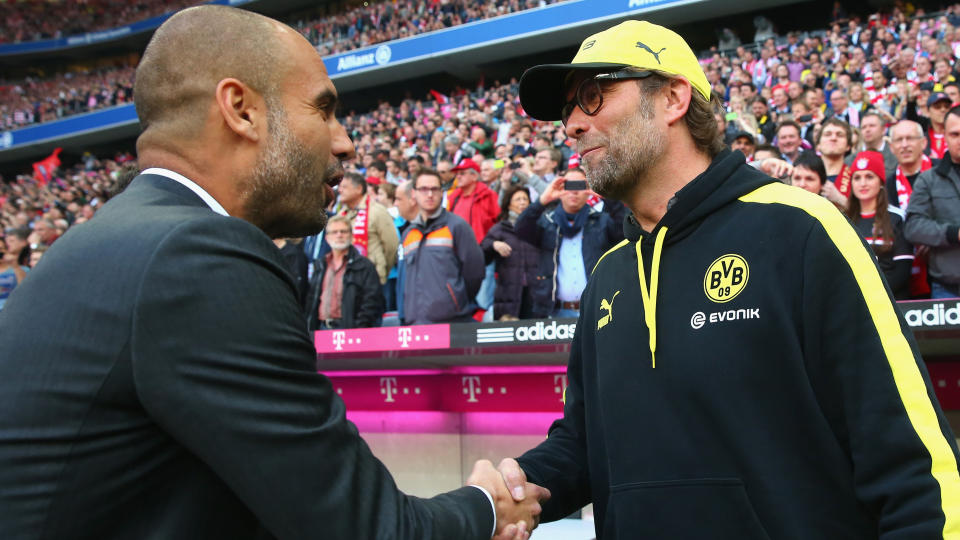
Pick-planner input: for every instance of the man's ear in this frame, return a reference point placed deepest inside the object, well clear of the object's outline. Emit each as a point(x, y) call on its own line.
point(243, 110)
point(678, 94)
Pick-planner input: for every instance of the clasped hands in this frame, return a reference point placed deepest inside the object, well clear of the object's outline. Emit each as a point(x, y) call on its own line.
point(517, 501)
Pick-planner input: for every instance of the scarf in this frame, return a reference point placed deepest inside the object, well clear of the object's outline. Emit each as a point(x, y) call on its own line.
point(512, 217)
point(842, 181)
point(938, 145)
point(563, 219)
point(904, 189)
point(361, 225)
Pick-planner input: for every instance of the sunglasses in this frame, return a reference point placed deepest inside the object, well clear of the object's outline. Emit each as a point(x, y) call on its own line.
point(589, 95)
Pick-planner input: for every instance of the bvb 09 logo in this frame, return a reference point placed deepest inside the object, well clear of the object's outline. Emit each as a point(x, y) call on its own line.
point(725, 278)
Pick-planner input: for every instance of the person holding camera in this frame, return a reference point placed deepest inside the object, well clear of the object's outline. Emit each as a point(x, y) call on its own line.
point(571, 236)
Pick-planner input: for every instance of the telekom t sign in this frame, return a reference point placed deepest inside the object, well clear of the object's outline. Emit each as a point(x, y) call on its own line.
point(471, 387)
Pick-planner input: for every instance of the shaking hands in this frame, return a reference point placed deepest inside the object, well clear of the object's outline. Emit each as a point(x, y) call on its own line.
point(517, 501)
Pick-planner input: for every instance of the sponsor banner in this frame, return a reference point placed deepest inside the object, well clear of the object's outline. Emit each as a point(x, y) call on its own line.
point(530, 331)
point(454, 391)
point(932, 314)
point(394, 338)
point(72, 125)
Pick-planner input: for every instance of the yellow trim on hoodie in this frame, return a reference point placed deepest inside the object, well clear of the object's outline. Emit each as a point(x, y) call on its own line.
point(650, 297)
point(906, 375)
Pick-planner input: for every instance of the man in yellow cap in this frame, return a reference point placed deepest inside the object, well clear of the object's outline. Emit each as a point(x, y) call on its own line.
point(739, 368)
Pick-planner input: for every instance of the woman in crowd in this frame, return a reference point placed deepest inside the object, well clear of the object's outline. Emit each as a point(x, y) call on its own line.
point(879, 223)
point(516, 260)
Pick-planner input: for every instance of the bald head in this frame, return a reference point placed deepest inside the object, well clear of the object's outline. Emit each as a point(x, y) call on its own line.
point(906, 127)
point(192, 52)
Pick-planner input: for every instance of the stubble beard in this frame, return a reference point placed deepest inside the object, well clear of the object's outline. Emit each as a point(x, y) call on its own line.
point(285, 192)
point(630, 155)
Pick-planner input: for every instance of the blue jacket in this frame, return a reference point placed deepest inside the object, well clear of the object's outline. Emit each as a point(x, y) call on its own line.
point(537, 226)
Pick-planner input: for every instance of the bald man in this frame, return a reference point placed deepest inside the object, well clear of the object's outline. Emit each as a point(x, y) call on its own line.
point(157, 378)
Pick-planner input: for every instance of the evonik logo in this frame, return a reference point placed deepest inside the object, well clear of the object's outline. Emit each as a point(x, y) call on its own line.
point(699, 319)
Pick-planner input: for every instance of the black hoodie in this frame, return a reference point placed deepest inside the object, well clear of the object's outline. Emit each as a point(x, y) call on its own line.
point(751, 379)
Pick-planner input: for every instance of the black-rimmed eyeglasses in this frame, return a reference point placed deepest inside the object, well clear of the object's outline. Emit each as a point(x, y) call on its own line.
point(589, 95)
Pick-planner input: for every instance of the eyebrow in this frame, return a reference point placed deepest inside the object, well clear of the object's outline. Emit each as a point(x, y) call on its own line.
point(326, 100)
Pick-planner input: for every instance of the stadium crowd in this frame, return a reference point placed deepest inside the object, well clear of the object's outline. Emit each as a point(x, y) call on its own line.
point(861, 113)
point(384, 21)
point(41, 99)
point(35, 100)
point(31, 21)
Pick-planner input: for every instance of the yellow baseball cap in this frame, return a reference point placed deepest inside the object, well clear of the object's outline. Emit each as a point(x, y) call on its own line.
point(638, 44)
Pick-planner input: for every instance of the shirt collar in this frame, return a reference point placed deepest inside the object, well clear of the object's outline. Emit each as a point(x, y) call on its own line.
point(191, 185)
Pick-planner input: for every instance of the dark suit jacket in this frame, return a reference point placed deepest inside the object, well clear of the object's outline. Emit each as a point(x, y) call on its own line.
point(158, 381)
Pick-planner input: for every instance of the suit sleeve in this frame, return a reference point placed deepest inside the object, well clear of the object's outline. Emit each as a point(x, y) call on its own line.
point(874, 390)
point(560, 462)
point(222, 362)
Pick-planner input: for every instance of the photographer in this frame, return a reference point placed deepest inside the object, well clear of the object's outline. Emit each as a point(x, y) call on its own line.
point(571, 236)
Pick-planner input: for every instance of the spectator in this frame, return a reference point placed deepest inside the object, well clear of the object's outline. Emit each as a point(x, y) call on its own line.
point(36, 254)
point(447, 175)
point(546, 164)
point(414, 164)
point(443, 264)
point(908, 144)
point(395, 174)
point(788, 140)
point(933, 216)
point(11, 273)
point(477, 204)
point(373, 231)
point(872, 130)
point(809, 173)
point(765, 123)
point(516, 260)
point(746, 143)
point(840, 107)
point(18, 245)
point(833, 143)
point(345, 291)
point(571, 238)
point(880, 224)
point(473, 200)
point(937, 104)
point(490, 173)
point(407, 210)
point(480, 143)
point(44, 232)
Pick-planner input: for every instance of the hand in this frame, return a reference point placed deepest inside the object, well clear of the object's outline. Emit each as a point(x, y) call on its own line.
point(502, 248)
point(524, 513)
point(553, 191)
point(513, 477)
point(832, 194)
point(776, 168)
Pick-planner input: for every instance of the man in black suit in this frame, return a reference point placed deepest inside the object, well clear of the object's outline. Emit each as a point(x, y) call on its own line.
point(157, 377)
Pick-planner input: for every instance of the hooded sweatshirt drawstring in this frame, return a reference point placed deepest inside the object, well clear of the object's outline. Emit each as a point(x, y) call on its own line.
point(650, 298)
